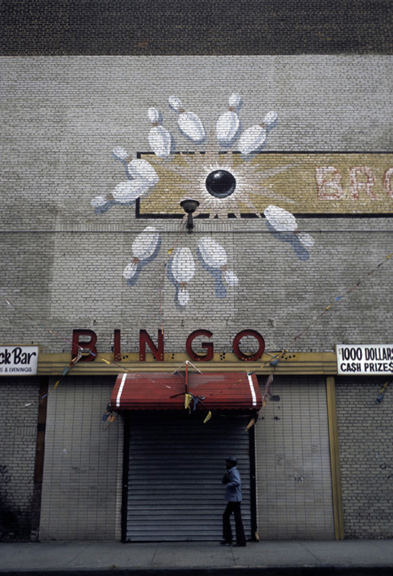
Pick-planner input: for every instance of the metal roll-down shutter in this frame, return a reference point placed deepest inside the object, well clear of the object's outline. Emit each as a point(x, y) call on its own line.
point(176, 464)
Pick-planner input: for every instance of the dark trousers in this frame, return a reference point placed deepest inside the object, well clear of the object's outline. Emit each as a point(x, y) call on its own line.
point(234, 507)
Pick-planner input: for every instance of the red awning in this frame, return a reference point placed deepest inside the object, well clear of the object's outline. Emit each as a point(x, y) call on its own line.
point(162, 391)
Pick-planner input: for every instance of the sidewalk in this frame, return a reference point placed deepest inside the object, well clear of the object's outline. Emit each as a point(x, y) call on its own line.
point(360, 557)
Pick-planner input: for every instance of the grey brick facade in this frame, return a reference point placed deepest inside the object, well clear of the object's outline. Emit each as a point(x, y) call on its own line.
point(366, 457)
point(67, 103)
point(18, 438)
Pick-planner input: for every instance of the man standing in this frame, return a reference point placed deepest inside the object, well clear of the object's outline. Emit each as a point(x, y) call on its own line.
point(233, 496)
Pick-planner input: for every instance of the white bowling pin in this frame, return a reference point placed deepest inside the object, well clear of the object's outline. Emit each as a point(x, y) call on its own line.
point(306, 239)
point(230, 278)
point(142, 248)
point(129, 191)
point(137, 168)
point(228, 123)
point(145, 243)
point(183, 270)
point(283, 221)
point(142, 169)
point(100, 201)
point(189, 123)
point(160, 139)
point(143, 177)
point(121, 154)
point(215, 256)
point(253, 138)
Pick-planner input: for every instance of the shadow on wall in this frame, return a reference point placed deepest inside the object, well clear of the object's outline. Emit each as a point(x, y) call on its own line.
point(14, 524)
point(300, 250)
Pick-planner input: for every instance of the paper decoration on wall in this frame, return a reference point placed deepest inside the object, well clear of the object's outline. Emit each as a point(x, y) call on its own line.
point(382, 391)
point(191, 401)
point(72, 363)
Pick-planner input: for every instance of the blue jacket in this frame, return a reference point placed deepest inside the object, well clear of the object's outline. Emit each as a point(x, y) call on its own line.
point(233, 490)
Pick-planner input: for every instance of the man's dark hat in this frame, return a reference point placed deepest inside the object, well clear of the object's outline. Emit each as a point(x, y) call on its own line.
point(231, 460)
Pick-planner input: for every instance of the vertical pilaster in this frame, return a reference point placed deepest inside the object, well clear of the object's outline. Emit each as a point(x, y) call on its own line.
point(335, 459)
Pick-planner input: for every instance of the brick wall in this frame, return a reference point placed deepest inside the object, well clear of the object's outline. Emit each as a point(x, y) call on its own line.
point(58, 27)
point(64, 263)
point(65, 116)
point(366, 456)
point(18, 439)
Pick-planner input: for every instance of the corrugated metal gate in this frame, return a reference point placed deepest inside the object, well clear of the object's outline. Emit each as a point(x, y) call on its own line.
point(176, 464)
point(293, 472)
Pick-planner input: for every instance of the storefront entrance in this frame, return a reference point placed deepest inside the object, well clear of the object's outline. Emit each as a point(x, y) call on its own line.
point(175, 466)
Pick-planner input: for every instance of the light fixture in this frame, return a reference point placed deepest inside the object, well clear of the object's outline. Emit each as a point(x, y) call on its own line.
point(189, 206)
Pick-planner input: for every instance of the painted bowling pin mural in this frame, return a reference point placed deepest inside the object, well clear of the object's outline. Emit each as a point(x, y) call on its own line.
point(190, 125)
point(144, 249)
point(160, 139)
point(228, 124)
point(222, 177)
point(253, 139)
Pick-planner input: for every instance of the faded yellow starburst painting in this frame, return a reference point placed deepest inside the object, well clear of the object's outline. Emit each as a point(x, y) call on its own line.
point(292, 180)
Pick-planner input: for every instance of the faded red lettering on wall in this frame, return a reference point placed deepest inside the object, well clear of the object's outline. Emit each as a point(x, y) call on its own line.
point(357, 185)
point(361, 183)
point(387, 182)
point(328, 182)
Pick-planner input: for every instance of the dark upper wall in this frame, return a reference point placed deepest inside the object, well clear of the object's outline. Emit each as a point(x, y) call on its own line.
point(182, 27)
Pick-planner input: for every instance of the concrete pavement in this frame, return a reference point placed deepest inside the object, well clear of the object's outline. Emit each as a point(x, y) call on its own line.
point(360, 557)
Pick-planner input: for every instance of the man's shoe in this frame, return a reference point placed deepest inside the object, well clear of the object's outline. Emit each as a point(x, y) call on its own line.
point(226, 543)
point(238, 545)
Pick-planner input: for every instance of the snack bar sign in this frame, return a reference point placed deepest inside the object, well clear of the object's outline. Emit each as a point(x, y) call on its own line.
point(16, 360)
point(376, 359)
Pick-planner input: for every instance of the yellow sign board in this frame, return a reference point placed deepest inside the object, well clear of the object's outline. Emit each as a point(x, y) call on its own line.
point(310, 183)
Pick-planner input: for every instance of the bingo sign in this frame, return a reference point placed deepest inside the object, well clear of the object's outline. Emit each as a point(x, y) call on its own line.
point(18, 360)
point(375, 359)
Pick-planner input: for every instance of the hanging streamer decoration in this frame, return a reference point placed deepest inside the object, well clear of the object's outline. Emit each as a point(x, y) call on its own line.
point(274, 362)
point(339, 298)
point(190, 400)
point(73, 362)
point(81, 349)
point(382, 391)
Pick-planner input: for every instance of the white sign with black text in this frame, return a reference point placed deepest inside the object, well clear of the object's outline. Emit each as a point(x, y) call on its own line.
point(375, 359)
point(17, 360)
